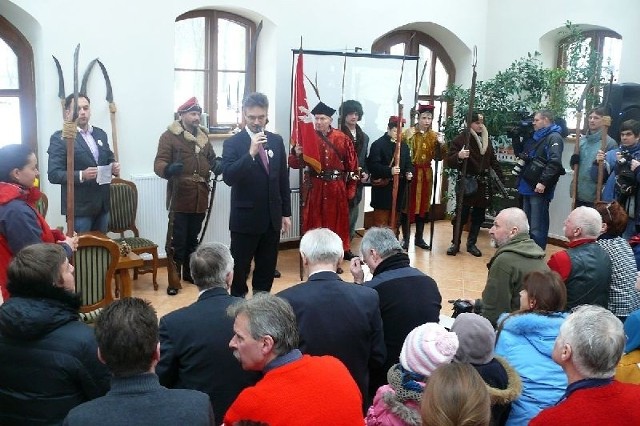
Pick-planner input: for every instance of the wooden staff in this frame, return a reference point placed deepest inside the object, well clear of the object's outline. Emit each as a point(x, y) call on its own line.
point(606, 123)
point(69, 131)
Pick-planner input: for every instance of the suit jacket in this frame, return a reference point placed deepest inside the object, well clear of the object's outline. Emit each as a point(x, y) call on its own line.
point(339, 319)
point(195, 354)
point(140, 400)
point(90, 198)
point(258, 199)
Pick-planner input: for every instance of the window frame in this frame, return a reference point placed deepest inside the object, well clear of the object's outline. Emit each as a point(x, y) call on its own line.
point(210, 101)
point(25, 92)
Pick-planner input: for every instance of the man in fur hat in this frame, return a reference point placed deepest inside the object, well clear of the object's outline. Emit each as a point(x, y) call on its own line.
point(332, 186)
point(185, 158)
point(478, 151)
point(350, 113)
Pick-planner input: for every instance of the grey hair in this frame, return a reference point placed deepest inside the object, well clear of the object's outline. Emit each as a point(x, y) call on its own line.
point(596, 338)
point(548, 114)
point(255, 99)
point(269, 315)
point(588, 220)
point(381, 240)
point(516, 218)
point(210, 264)
point(321, 245)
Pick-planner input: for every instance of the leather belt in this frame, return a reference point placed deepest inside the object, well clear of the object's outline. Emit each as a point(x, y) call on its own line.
point(328, 175)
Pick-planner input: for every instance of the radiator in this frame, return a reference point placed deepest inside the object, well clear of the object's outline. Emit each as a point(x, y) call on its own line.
point(152, 218)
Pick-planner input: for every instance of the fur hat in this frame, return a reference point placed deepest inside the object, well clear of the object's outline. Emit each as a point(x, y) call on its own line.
point(191, 105)
point(350, 106)
point(427, 347)
point(477, 338)
point(323, 109)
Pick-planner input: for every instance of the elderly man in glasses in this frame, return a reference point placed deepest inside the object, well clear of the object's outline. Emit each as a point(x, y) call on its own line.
point(585, 267)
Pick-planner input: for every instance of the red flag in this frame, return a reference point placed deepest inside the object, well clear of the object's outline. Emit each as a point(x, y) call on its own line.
point(302, 128)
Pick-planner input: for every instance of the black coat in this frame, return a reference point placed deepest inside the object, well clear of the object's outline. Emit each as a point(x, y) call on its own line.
point(90, 199)
point(257, 199)
point(195, 354)
point(408, 298)
point(378, 163)
point(339, 319)
point(48, 361)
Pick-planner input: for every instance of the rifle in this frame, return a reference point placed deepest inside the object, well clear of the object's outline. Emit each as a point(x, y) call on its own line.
point(457, 230)
point(173, 276)
point(576, 148)
point(606, 123)
point(212, 194)
point(497, 182)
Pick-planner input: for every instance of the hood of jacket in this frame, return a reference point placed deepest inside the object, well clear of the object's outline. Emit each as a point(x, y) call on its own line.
point(513, 389)
point(539, 329)
point(11, 191)
point(24, 318)
point(521, 245)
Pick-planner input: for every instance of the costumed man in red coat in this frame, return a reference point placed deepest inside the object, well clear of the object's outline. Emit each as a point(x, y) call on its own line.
point(329, 189)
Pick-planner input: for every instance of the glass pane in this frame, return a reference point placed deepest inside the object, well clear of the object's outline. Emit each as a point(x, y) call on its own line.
point(442, 77)
point(230, 92)
point(232, 45)
point(425, 57)
point(190, 43)
point(186, 85)
point(8, 67)
point(397, 49)
point(10, 120)
point(611, 52)
point(439, 115)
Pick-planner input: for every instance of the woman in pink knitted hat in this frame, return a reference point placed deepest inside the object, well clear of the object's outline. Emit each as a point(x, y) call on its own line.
point(398, 403)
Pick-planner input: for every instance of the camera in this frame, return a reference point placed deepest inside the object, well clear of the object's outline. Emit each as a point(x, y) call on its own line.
point(625, 157)
point(462, 306)
point(520, 163)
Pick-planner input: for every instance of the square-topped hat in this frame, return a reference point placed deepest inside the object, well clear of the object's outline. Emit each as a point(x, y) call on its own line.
point(191, 105)
point(323, 109)
point(393, 121)
point(425, 108)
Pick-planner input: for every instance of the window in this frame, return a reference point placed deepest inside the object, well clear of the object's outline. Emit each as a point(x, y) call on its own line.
point(211, 57)
point(605, 47)
point(438, 74)
point(17, 91)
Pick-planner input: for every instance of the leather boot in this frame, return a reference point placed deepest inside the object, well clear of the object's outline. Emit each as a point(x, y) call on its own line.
point(406, 231)
point(172, 291)
point(419, 240)
point(186, 273)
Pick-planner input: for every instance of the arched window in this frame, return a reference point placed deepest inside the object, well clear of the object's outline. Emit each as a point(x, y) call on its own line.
point(603, 46)
point(211, 52)
point(17, 90)
point(438, 74)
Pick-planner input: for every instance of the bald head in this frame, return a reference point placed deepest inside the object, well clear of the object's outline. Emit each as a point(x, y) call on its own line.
point(507, 224)
point(516, 218)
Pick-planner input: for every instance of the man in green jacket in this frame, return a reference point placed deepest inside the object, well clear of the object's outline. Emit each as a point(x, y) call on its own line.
point(516, 255)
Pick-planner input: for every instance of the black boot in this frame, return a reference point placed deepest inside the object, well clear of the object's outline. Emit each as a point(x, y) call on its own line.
point(453, 250)
point(406, 233)
point(186, 273)
point(419, 240)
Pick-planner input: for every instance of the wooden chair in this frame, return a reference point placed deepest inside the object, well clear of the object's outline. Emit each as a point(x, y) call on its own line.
point(124, 207)
point(95, 264)
point(42, 205)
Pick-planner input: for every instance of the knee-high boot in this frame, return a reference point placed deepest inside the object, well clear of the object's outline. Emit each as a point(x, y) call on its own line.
point(419, 240)
point(406, 230)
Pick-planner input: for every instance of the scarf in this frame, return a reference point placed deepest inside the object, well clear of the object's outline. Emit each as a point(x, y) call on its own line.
point(483, 143)
point(542, 133)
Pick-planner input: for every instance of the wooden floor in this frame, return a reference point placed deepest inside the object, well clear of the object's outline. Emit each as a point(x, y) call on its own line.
point(457, 276)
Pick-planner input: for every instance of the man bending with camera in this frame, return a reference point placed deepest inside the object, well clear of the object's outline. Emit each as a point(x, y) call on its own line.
point(621, 174)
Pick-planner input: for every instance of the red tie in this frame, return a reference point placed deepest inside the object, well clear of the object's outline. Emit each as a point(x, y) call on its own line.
point(263, 157)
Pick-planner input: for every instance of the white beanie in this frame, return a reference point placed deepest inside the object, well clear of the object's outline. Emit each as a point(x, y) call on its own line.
point(427, 347)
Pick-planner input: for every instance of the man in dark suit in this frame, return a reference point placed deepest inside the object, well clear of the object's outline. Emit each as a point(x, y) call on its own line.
point(91, 150)
point(255, 167)
point(194, 341)
point(334, 317)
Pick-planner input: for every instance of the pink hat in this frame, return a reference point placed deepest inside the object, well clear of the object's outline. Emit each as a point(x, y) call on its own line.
point(427, 347)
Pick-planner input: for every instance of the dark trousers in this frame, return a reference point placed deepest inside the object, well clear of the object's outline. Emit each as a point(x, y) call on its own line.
point(263, 250)
point(477, 217)
point(186, 228)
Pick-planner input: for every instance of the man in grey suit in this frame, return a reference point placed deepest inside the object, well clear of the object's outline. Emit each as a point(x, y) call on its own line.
point(194, 341)
point(127, 335)
point(334, 317)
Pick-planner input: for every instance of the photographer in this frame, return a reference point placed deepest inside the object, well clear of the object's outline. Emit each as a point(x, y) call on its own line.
point(621, 174)
point(542, 155)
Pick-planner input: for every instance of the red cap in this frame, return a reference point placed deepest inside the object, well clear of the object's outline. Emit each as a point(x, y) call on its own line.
point(425, 108)
point(191, 105)
point(394, 120)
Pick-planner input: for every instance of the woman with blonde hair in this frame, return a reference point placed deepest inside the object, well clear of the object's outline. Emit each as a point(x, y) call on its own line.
point(456, 395)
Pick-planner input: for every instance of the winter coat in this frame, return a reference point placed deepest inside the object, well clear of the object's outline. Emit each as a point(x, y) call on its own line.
point(507, 267)
point(526, 341)
point(589, 147)
point(196, 153)
point(504, 385)
point(398, 403)
point(48, 360)
point(379, 163)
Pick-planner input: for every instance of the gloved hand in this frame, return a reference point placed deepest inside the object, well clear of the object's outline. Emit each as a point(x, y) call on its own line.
point(173, 169)
point(216, 166)
point(575, 159)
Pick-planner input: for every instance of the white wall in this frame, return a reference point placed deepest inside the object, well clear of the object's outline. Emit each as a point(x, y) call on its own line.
point(135, 41)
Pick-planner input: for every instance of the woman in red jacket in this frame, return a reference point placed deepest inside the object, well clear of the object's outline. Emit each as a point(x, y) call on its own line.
point(20, 222)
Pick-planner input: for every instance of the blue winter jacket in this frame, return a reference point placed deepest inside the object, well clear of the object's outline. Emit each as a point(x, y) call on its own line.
point(526, 341)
